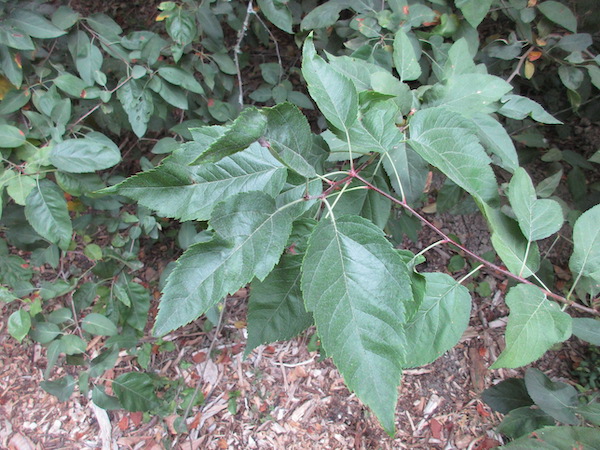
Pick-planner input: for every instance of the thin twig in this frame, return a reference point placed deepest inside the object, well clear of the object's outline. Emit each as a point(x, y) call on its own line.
point(236, 51)
point(519, 65)
point(486, 263)
point(276, 46)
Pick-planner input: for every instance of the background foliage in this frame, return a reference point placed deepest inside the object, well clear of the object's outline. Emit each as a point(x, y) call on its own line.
point(304, 210)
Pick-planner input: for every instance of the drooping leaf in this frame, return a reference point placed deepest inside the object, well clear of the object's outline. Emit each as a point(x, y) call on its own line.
point(448, 142)
point(88, 58)
point(251, 235)
point(507, 395)
point(406, 58)
point(534, 325)
point(135, 391)
point(523, 421)
point(470, 94)
point(181, 26)
point(495, 140)
point(440, 321)
point(323, 16)
point(137, 103)
point(407, 172)
point(248, 128)
point(180, 77)
point(334, 94)
point(85, 155)
point(358, 289)
point(590, 412)
point(518, 107)
point(585, 260)
point(557, 399)
point(98, 325)
point(46, 211)
point(61, 388)
point(276, 309)
point(537, 219)
point(103, 400)
point(474, 10)
point(289, 138)
point(278, 14)
point(519, 256)
point(559, 14)
point(184, 192)
point(587, 329)
point(558, 437)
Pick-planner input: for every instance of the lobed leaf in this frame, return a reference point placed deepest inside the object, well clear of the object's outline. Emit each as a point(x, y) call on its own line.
point(359, 291)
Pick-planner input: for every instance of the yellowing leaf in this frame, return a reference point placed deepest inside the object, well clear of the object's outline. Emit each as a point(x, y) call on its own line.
point(529, 69)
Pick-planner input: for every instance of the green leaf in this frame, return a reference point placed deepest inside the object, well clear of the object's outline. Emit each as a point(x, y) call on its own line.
point(248, 128)
point(323, 16)
point(44, 332)
point(571, 77)
point(11, 137)
point(71, 85)
point(6, 295)
point(406, 59)
point(495, 139)
point(34, 24)
point(376, 131)
point(103, 400)
point(64, 17)
point(537, 219)
point(508, 395)
point(88, 58)
point(53, 351)
point(514, 250)
point(442, 318)
point(278, 14)
point(135, 391)
point(590, 412)
point(469, 94)
point(558, 437)
point(276, 309)
point(448, 142)
point(93, 251)
point(14, 100)
point(474, 10)
point(585, 260)
point(556, 399)
point(184, 192)
point(407, 171)
point(85, 155)
point(181, 26)
point(559, 14)
point(46, 211)
point(534, 325)
point(19, 324)
point(15, 38)
point(359, 291)
point(334, 94)
point(180, 77)
point(251, 235)
point(587, 329)
point(365, 202)
point(61, 388)
point(289, 138)
point(73, 345)
point(547, 186)
point(137, 103)
point(523, 421)
point(98, 325)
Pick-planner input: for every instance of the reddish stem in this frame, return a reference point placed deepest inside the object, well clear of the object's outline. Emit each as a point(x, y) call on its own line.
point(486, 263)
